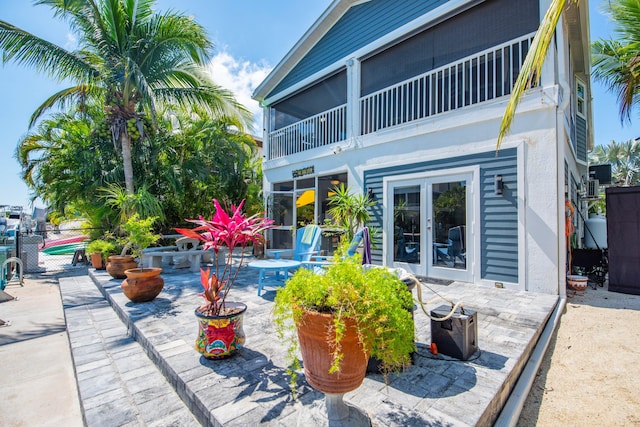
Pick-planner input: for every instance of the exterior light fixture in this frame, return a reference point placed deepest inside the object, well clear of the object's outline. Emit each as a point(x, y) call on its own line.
point(371, 194)
point(498, 185)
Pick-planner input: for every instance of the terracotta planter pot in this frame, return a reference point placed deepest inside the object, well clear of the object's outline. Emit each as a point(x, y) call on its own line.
point(142, 285)
point(118, 264)
point(315, 336)
point(97, 261)
point(220, 337)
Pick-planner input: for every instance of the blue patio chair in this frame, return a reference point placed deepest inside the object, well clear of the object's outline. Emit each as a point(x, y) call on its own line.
point(362, 236)
point(456, 248)
point(406, 254)
point(307, 244)
point(276, 271)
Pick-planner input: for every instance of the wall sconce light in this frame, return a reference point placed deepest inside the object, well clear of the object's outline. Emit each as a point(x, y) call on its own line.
point(371, 194)
point(498, 185)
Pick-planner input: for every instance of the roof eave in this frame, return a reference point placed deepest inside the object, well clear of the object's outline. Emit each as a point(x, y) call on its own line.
point(319, 28)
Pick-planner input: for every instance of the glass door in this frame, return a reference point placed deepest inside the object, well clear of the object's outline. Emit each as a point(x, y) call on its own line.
point(446, 217)
point(429, 222)
point(407, 225)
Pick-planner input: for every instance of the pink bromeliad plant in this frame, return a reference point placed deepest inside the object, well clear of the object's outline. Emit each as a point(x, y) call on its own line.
point(233, 229)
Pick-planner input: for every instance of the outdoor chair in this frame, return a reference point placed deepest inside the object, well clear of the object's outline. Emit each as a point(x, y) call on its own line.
point(456, 249)
point(307, 244)
point(185, 244)
point(404, 253)
point(276, 271)
point(361, 237)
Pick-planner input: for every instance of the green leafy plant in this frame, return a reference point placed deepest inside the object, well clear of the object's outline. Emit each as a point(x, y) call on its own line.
point(349, 211)
point(139, 235)
point(375, 298)
point(103, 247)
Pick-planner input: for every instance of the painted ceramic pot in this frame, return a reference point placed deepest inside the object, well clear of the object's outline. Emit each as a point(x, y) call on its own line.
point(577, 283)
point(222, 336)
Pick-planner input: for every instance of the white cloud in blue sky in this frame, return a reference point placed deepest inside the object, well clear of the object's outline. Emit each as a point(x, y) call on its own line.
point(240, 77)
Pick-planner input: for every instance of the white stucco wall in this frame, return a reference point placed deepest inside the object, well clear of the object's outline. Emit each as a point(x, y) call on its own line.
point(463, 132)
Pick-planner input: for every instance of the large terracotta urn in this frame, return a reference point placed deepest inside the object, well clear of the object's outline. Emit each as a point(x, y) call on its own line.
point(316, 335)
point(117, 264)
point(142, 284)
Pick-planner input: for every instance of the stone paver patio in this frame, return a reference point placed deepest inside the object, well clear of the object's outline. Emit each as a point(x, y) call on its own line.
point(252, 387)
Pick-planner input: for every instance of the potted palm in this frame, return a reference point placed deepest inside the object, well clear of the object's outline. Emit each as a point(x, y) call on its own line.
point(349, 211)
point(339, 317)
point(99, 250)
point(220, 321)
point(141, 284)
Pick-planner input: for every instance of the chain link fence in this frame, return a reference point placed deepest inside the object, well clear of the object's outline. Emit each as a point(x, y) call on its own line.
point(63, 249)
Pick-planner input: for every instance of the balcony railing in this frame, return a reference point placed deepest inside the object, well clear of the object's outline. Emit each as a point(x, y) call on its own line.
point(322, 129)
point(481, 77)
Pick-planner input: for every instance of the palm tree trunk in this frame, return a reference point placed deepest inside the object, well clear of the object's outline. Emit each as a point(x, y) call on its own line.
point(125, 142)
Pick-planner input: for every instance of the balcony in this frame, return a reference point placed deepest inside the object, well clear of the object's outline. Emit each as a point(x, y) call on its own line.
point(322, 129)
point(478, 78)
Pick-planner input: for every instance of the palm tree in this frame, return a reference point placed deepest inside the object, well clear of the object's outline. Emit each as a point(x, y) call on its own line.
point(61, 161)
point(532, 65)
point(624, 158)
point(132, 59)
point(616, 63)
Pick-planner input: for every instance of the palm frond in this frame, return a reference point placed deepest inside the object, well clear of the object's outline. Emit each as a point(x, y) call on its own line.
point(64, 98)
point(616, 63)
point(532, 65)
point(25, 48)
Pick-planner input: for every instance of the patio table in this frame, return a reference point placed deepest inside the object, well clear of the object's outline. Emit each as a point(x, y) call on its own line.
point(279, 267)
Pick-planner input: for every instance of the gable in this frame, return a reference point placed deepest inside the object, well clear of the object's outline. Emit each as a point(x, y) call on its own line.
point(360, 25)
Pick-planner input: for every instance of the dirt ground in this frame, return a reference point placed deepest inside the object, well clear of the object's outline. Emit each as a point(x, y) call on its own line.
point(590, 374)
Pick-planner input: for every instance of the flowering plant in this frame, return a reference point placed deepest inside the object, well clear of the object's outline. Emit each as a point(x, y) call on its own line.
point(232, 229)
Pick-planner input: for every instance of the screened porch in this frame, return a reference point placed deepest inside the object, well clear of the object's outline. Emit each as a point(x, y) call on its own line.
point(320, 115)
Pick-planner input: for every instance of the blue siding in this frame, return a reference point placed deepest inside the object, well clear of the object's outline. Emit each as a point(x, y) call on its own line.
point(498, 214)
point(360, 25)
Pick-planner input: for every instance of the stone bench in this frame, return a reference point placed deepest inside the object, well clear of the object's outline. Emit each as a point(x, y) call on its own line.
point(155, 258)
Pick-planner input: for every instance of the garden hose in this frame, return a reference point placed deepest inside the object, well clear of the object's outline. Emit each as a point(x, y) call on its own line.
point(454, 306)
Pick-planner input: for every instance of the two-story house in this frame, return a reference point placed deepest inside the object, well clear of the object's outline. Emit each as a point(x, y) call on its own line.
point(402, 100)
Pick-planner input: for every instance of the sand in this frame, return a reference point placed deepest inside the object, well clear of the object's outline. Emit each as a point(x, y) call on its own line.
point(590, 374)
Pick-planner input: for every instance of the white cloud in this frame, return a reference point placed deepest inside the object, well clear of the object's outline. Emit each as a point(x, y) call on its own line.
point(241, 78)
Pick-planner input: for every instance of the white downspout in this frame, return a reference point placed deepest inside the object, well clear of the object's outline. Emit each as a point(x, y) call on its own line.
point(513, 407)
point(560, 141)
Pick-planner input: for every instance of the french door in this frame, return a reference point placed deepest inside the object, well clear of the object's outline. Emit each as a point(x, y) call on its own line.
point(429, 225)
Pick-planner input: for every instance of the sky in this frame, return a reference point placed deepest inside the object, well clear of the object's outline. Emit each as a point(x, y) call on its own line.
point(251, 37)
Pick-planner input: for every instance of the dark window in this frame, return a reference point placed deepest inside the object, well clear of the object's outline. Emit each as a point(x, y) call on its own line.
point(325, 95)
point(481, 27)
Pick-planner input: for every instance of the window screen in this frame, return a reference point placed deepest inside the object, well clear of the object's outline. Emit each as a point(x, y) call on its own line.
point(320, 97)
point(487, 24)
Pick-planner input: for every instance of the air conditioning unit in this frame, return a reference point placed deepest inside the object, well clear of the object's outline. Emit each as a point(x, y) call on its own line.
point(592, 187)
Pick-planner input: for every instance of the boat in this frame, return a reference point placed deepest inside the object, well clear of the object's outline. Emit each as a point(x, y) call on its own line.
point(64, 241)
point(64, 249)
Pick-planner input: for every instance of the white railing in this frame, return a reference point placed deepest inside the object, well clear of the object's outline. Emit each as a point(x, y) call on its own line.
point(322, 129)
point(477, 78)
